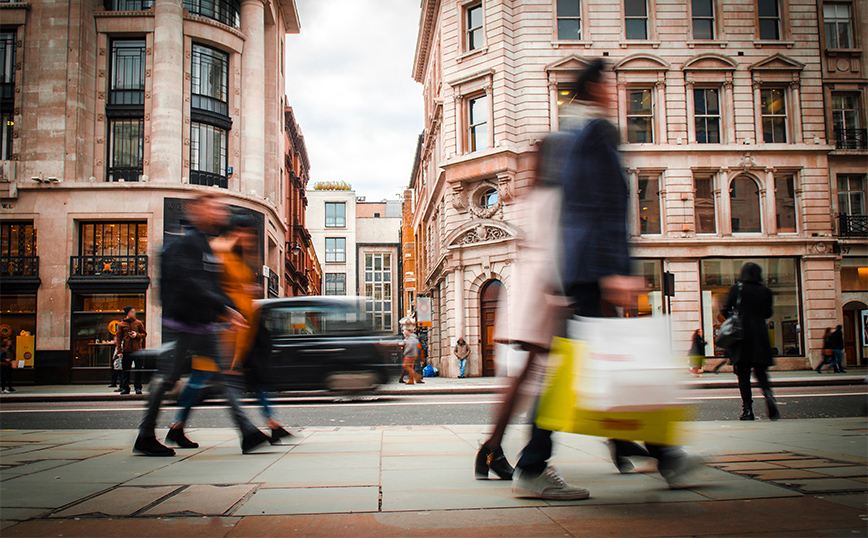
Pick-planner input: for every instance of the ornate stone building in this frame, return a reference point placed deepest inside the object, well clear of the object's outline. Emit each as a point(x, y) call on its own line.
point(724, 131)
point(115, 113)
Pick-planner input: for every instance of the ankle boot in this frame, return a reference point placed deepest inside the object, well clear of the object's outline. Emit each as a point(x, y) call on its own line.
point(176, 435)
point(772, 405)
point(747, 413)
point(492, 460)
point(277, 434)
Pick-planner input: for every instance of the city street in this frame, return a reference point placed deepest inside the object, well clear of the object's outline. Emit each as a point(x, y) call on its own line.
point(407, 410)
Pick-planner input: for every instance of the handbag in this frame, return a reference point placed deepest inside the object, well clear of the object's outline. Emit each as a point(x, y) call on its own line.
point(731, 331)
point(117, 362)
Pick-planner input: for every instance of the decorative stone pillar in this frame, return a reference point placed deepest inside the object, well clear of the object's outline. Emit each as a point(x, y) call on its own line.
point(622, 109)
point(489, 97)
point(633, 227)
point(458, 110)
point(722, 199)
point(167, 121)
point(253, 98)
point(458, 275)
point(728, 111)
point(690, 115)
point(660, 112)
point(757, 110)
point(797, 112)
point(768, 200)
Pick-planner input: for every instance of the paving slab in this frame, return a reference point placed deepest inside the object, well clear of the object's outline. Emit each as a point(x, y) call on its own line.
point(32, 492)
point(822, 485)
point(783, 474)
point(202, 500)
point(181, 527)
point(30, 467)
point(310, 501)
point(848, 471)
point(123, 501)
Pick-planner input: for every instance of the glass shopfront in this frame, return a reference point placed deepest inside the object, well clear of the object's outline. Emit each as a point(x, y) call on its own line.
point(781, 275)
point(17, 313)
point(93, 327)
point(651, 296)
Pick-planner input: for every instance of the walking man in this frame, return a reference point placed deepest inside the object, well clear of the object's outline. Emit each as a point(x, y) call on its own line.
point(411, 354)
point(193, 306)
point(130, 338)
point(836, 342)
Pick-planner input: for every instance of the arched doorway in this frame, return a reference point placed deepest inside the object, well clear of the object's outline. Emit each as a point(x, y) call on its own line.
point(488, 296)
point(853, 333)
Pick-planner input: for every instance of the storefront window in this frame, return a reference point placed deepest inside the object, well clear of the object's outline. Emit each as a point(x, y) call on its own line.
point(780, 275)
point(17, 313)
point(92, 325)
point(651, 297)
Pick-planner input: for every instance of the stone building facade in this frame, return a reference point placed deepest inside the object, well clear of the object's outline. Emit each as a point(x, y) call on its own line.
point(725, 143)
point(116, 112)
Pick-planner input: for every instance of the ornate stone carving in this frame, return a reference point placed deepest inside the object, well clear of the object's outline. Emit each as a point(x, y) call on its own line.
point(480, 234)
point(504, 186)
point(747, 161)
point(459, 197)
point(476, 206)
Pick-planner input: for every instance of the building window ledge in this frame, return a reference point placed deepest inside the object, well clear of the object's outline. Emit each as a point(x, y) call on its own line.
point(572, 43)
point(707, 43)
point(780, 43)
point(471, 54)
point(110, 14)
point(639, 43)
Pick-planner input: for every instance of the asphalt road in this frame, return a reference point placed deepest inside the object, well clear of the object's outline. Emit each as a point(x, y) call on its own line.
point(712, 404)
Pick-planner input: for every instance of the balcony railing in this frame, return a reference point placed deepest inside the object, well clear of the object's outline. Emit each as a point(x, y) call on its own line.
point(124, 174)
point(225, 11)
point(19, 266)
point(128, 5)
point(851, 138)
point(108, 266)
point(208, 179)
point(853, 225)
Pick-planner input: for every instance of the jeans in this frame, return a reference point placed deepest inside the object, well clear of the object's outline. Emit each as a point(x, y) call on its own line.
point(225, 384)
point(534, 458)
point(125, 373)
point(462, 364)
point(838, 359)
point(742, 370)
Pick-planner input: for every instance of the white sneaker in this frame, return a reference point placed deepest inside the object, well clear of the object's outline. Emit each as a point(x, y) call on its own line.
point(5, 391)
point(549, 486)
point(676, 469)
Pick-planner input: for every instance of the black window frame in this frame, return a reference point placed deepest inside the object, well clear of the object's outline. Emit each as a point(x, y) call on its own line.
point(227, 12)
point(125, 153)
point(209, 117)
point(99, 228)
point(334, 283)
point(200, 174)
point(205, 104)
point(125, 109)
point(336, 221)
point(128, 5)
point(127, 92)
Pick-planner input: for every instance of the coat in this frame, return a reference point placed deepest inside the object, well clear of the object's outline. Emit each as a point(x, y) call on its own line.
point(698, 347)
point(756, 307)
point(462, 351)
point(126, 343)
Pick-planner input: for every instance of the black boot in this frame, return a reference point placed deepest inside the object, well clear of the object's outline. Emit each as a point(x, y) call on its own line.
point(772, 405)
point(277, 434)
point(488, 460)
point(747, 413)
point(253, 440)
point(149, 446)
point(176, 435)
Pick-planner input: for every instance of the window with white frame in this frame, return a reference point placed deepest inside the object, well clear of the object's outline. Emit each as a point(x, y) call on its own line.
point(640, 116)
point(744, 202)
point(769, 18)
point(378, 289)
point(648, 192)
point(477, 123)
point(335, 214)
point(704, 213)
point(785, 203)
point(335, 283)
point(473, 27)
point(852, 194)
point(846, 121)
point(702, 12)
point(836, 20)
point(706, 114)
point(569, 15)
point(336, 250)
point(636, 19)
point(565, 99)
point(773, 107)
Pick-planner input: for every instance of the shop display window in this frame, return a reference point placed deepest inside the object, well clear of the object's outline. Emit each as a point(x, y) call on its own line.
point(93, 319)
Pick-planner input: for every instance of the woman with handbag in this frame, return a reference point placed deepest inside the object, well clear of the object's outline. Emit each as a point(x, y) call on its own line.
point(750, 303)
point(696, 355)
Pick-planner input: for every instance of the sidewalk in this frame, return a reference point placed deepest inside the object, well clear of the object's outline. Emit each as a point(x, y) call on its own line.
point(788, 478)
point(436, 385)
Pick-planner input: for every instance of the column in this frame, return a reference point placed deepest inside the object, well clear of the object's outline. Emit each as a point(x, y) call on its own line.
point(691, 120)
point(797, 112)
point(489, 96)
point(757, 112)
point(458, 275)
point(167, 96)
point(253, 98)
point(660, 98)
point(721, 195)
point(458, 110)
point(633, 227)
point(728, 111)
point(622, 110)
point(768, 199)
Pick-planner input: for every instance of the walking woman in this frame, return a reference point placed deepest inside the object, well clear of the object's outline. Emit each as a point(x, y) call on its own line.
point(754, 351)
point(827, 352)
point(697, 353)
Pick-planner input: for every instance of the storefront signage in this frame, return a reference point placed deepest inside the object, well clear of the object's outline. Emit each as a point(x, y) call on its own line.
point(423, 311)
point(25, 345)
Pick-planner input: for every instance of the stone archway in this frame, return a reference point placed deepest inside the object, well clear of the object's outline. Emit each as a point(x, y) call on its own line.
point(853, 333)
point(489, 295)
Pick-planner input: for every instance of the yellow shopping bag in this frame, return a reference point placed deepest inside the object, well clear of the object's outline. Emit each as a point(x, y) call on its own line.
point(561, 406)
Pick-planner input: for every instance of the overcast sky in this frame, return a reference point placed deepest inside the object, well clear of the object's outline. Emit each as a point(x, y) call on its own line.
point(349, 82)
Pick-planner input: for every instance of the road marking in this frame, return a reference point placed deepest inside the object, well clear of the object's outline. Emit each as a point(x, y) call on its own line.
point(779, 396)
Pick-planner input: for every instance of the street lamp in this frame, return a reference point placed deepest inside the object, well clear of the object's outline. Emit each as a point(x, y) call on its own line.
point(295, 249)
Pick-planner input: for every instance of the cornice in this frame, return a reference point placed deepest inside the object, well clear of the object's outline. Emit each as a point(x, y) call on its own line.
point(427, 22)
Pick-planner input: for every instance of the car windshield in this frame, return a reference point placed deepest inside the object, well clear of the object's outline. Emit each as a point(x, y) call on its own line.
point(312, 319)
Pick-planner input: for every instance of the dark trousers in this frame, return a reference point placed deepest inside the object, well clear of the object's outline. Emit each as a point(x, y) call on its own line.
point(742, 370)
point(134, 367)
point(116, 374)
point(534, 458)
point(6, 377)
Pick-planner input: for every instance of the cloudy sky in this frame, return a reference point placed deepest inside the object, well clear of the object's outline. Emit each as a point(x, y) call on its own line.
point(349, 83)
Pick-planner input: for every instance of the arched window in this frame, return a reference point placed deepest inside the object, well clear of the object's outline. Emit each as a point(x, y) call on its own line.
point(744, 200)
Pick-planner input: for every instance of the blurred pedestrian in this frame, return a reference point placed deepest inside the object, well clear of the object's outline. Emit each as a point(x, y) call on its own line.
point(754, 351)
point(696, 355)
point(130, 339)
point(836, 342)
point(411, 355)
point(193, 304)
point(6, 359)
point(461, 352)
point(827, 355)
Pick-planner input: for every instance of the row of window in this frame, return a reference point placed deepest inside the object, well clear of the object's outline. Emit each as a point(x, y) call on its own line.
point(377, 287)
point(638, 23)
point(225, 11)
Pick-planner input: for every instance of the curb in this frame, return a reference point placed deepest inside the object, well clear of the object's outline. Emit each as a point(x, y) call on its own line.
point(294, 397)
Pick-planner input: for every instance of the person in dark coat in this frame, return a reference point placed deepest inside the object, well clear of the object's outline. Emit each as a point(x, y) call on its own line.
point(827, 352)
point(836, 342)
point(754, 351)
point(697, 352)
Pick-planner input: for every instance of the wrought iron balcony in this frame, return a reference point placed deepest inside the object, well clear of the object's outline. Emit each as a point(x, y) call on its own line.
point(208, 179)
point(19, 266)
point(851, 138)
point(128, 5)
point(225, 11)
point(108, 266)
point(853, 225)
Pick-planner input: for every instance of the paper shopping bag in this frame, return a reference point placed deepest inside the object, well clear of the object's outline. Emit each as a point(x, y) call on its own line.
point(614, 378)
